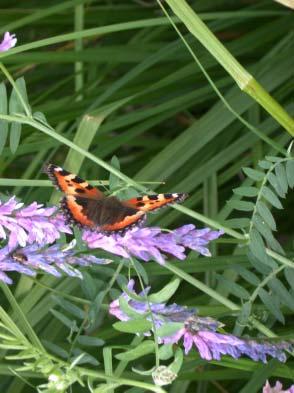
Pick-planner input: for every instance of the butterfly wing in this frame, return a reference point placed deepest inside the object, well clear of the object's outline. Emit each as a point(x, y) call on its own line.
point(88, 207)
point(70, 183)
point(150, 203)
point(106, 215)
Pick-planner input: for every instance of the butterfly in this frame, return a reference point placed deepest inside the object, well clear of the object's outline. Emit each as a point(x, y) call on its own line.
point(87, 207)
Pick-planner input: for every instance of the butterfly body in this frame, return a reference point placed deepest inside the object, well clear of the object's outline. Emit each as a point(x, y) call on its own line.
point(88, 207)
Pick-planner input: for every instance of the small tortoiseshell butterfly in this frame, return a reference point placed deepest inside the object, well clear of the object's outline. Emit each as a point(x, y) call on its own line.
point(88, 207)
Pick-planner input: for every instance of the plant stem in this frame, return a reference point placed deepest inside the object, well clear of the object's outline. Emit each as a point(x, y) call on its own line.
point(244, 80)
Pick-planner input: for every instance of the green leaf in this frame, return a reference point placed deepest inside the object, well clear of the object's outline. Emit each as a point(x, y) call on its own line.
point(275, 245)
point(133, 295)
point(266, 215)
point(271, 197)
point(290, 173)
point(55, 349)
point(21, 85)
point(265, 164)
point(247, 275)
point(82, 357)
point(88, 286)
point(233, 287)
point(262, 228)
point(176, 365)
point(95, 307)
point(90, 341)
point(282, 177)
point(16, 107)
point(106, 388)
point(271, 304)
point(39, 116)
point(237, 223)
point(168, 329)
point(142, 349)
point(273, 158)
point(254, 174)
point(246, 191)
point(166, 292)
point(275, 184)
point(114, 181)
point(259, 377)
point(264, 267)
point(70, 307)
point(71, 324)
point(141, 270)
point(128, 310)
point(280, 290)
point(3, 110)
point(244, 314)
point(142, 372)
point(15, 133)
point(166, 351)
point(133, 326)
point(289, 275)
point(241, 205)
point(256, 246)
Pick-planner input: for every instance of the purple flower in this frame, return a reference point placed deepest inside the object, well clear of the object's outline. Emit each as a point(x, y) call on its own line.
point(30, 224)
point(8, 42)
point(161, 313)
point(211, 345)
point(198, 331)
point(150, 243)
point(278, 388)
point(52, 260)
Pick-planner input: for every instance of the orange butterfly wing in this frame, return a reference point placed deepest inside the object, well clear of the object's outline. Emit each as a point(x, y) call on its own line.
point(88, 207)
point(150, 203)
point(70, 183)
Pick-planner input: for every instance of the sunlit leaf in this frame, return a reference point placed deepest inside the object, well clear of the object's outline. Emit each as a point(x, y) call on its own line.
point(133, 326)
point(241, 205)
point(253, 174)
point(166, 292)
point(271, 197)
point(266, 215)
point(246, 191)
point(282, 177)
point(281, 291)
point(234, 288)
point(273, 180)
point(142, 349)
point(271, 304)
point(290, 172)
point(265, 164)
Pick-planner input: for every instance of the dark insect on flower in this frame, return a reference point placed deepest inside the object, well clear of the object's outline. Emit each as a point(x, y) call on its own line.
point(88, 207)
point(19, 256)
point(53, 260)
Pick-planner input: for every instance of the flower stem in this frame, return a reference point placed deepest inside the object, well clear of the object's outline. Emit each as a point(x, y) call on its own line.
point(157, 362)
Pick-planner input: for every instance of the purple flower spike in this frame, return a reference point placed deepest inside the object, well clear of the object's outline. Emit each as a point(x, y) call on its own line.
point(150, 243)
point(30, 224)
point(8, 42)
point(200, 332)
point(278, 388)
point(161, 312)
point(52, 260)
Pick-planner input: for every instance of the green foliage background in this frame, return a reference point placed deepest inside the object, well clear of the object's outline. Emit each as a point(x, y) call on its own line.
point(115, 78)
